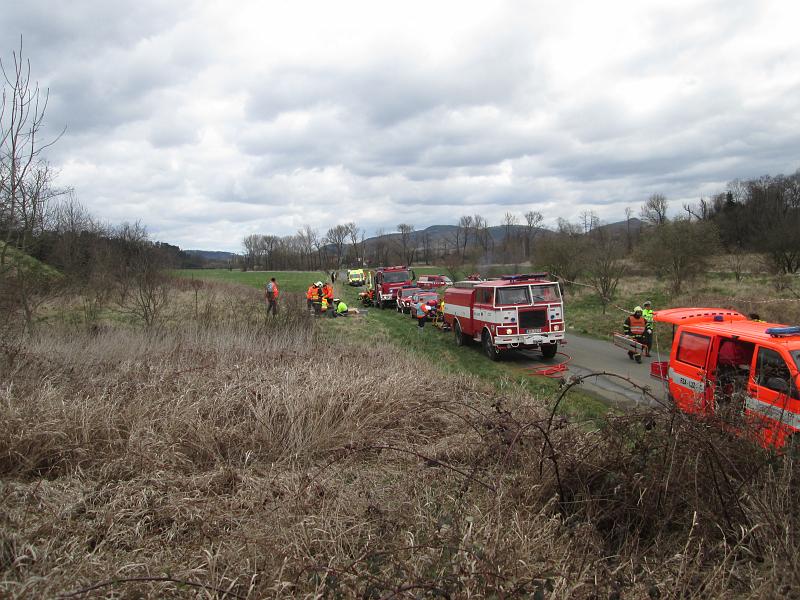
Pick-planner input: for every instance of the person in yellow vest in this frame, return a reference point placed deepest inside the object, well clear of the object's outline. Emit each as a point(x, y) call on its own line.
point(323, 305)
point(341, 308)
point(635, 326)
point(647, 313)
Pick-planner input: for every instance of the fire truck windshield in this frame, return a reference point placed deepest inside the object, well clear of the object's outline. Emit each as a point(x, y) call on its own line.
point(545, 293)
point(396, 276)
point(513, 295)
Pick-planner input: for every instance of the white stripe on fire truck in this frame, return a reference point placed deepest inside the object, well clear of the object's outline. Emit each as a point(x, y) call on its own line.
point(687, 382)
point(773, 412)
point(457, 310)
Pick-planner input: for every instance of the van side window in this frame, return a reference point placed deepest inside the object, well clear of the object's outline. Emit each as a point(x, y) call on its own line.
point(773, 373)
point(693, 348)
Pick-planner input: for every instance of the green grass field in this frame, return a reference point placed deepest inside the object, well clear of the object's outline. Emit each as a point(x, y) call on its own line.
point(288, 281)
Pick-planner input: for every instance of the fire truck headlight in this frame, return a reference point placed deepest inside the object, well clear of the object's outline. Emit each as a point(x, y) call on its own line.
point(556, 327)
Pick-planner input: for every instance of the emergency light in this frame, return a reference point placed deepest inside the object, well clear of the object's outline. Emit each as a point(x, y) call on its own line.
point(783, 331)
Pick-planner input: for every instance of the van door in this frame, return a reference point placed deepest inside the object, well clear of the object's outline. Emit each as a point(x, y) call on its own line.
point(773, 399)
point(687, 372)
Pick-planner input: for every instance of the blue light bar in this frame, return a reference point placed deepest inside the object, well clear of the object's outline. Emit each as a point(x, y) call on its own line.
point(783, 331)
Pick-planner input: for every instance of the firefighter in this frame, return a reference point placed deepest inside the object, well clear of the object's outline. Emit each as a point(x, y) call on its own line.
point(341, 308)
point(318, 297)
point(423, 308)
point(647, 313)
point(271, 296)
point(635, 326)
point(311, 294)
point(327, 290)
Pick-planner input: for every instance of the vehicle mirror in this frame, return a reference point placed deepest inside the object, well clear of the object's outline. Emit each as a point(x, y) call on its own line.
point(778, 384)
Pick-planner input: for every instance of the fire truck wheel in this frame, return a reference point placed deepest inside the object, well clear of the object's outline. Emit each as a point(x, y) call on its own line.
point(461, 339)
point(549, 350)
point(488, 347)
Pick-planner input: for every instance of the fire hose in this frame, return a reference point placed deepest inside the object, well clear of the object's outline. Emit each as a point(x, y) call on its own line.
point(552, 371)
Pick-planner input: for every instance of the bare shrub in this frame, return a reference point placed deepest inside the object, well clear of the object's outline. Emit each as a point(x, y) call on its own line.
point(236, 458)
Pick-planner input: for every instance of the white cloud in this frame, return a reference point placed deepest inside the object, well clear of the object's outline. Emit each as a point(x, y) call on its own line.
point(211, 120)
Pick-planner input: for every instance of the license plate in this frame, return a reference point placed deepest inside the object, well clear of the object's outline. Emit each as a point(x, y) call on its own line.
point(539, 330)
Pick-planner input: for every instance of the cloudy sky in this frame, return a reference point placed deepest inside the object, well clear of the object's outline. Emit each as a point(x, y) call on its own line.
point(211, 120)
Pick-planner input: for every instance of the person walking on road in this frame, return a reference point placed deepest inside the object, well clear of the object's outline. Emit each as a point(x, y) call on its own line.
point(647, 313)
point(634, 327)
point(271, 296)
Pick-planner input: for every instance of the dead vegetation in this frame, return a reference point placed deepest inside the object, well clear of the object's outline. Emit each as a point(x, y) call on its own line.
point(242, 457)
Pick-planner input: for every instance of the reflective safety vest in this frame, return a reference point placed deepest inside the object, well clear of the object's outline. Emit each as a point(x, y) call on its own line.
point(328, 292)
point(647, 313)
point(342, 308)
point(311, 293)
point(324, 305)
point(635, 326)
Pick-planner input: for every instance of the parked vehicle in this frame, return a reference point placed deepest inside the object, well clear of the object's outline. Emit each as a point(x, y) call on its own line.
point(404, 295)
point(386, 282)
point(514, 311)
point(433, 281)
point(721, 361)
point(355, 277)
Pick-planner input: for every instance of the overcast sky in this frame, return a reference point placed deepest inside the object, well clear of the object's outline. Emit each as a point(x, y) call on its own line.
point(208, 121)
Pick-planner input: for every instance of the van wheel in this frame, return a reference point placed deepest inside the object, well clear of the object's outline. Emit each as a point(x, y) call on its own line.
point(461, 339)
point(488, 347)
point(549, 350)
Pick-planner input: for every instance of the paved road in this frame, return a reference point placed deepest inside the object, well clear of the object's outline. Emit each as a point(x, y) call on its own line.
point(589, 355)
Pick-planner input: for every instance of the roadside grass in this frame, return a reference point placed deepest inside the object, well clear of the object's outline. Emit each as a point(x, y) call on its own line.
point(377, 330)
point(753, 293)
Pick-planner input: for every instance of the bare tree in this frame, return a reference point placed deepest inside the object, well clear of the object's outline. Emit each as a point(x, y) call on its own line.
point(337, 237)
point(26, 186)
point(533, 221)
point(628, 232)
point(590, 221)
point(604, 266)
point(408, 249)
point(680, 249)
point(356, 235)
point(464, 227)
point(654, 210)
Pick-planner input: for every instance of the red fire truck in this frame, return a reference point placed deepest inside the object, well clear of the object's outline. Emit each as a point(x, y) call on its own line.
point(386, 281)
point(514, 311)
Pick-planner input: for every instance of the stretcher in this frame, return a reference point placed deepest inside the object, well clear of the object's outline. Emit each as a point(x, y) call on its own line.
point(629, 344)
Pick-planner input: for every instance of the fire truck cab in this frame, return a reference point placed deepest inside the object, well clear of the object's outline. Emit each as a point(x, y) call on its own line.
point(387, 281)
point(722, 361)
point(512, 312)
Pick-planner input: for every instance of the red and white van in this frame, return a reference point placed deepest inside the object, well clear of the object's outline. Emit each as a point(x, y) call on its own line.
point(514, 311)
point(721, 360)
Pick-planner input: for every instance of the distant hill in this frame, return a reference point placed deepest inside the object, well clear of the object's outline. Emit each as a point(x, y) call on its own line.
point(211, 254)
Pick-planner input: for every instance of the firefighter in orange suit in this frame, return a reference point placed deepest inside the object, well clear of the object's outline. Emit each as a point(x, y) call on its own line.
point(635, 326)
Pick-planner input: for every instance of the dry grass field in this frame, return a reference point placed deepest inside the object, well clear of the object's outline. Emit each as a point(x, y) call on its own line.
point(224, 455)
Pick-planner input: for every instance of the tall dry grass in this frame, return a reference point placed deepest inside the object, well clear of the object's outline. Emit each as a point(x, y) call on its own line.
point(250, 457)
